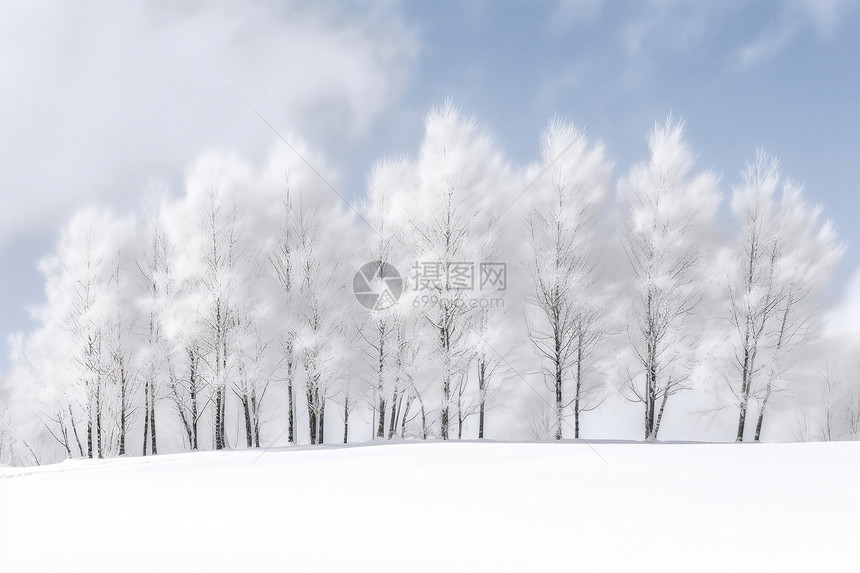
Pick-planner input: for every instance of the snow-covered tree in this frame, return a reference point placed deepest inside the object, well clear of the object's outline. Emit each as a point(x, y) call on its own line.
point(284, 260)
point(753, 293)
point(785, 253)
point(670, 210)
point(320, 286)
point(155, 284)
point(808, 251)
point(562, 237)
point(452, 214)
point(239, 279)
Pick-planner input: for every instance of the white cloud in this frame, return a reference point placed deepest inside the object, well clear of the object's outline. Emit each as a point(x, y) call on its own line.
point(823, 13)
point(767, 45)
point(669, 26)
point(795, 17)
point(99, 97)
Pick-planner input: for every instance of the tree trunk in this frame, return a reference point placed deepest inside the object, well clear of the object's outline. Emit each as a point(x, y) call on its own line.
point(423, 419)
point(312, 416)
point(559, 404)
point(660, 413)
point(380, 383)
point(446, 380)
point(578, 397)
point(393, 418)
point(145, 416)
point(122, 411)
point(760, 421)
point(255, 411)
point(482, 395)
point(249, 431)
point(404, 417)
point(746, 384)
point(651, 392)
point(90, 435)
point(558, 363)
point(291, 438)
point(741, 422)
point(346, 420)
point(192, 360)
point(321, 433)
point(380, 425)
point(75, 431)
point(650, 368)
point(224, 441)
point(154, 444)
point(99, 421)
point(459, 415)
point(219, 436)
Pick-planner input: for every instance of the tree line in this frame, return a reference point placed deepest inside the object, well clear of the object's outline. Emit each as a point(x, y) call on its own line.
point(460, 297)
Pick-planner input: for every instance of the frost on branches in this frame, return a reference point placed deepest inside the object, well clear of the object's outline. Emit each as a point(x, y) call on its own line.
point(223, 316)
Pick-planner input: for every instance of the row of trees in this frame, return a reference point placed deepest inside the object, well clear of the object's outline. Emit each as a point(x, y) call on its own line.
point(225, 317)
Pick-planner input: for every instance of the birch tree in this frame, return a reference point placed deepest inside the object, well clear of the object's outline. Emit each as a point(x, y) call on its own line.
point(808, 251)
point(754, 295)
point(124, 354)
point(222, 254)
point(445, 236)
point(156, 285)
point(669, 210)
point(785, 253)
point(284, 263)
point(252, 378)
point(319, 325)
point(561, 227)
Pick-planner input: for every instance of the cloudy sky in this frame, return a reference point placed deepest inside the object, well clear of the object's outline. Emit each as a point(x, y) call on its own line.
point(99, 103)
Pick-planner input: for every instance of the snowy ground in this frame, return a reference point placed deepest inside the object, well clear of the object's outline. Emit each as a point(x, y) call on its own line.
point(442, 507)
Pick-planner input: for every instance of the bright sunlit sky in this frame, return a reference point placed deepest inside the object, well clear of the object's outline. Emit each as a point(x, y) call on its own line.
point(100, 101)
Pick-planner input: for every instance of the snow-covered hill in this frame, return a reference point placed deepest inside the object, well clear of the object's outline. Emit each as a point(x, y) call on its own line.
point(442, 507)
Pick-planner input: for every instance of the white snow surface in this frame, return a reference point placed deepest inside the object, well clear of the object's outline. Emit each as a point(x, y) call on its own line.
point(468, 506)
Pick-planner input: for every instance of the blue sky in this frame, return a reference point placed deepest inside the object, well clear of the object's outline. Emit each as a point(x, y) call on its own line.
point(784, 76)
point(100, 102)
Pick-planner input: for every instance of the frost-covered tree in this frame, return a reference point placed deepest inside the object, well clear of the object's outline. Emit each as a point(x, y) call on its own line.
point(320, 286)
point(486, 363)
point(785, 253)
point(562, 236)
point(222, 253)
point(252, 377)
point(89, 271)
point(808, 251)
point(377, 337)
point(66, 369)
point(753, 293)
point(453, 171)
point(156, 284)
point(284, 261)
point(124, 349)
point(174, 324)
point(238, 280)
point(439, 210)
point(406, 349)
point(670, 208)
point(444, 240)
